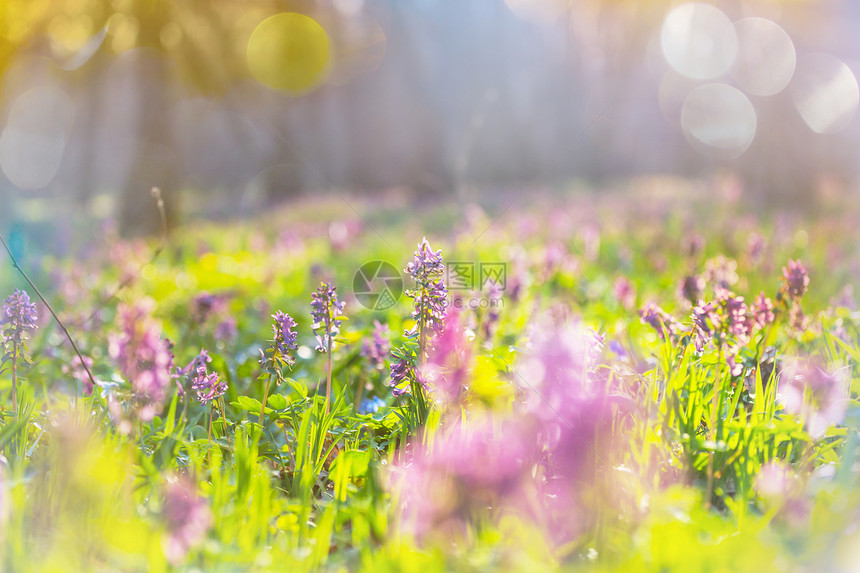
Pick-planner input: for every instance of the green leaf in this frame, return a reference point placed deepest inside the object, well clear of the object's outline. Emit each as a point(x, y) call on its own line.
point(277, 402)
point(247, 403)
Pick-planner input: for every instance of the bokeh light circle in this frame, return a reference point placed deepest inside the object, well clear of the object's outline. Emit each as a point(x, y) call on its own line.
point(766, 58)
point(34, 139)
point(674, 89)
point(825, 92)
point(698, 41)
point(288, 52)
point(718, 120)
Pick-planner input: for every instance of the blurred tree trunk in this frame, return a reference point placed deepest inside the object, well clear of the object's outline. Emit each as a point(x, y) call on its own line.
point(155, 163)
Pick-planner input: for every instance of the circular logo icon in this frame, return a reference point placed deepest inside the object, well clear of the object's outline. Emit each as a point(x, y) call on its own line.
point(377, 285)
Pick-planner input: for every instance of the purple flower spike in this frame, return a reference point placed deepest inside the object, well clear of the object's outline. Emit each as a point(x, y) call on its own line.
point(430, 294)
point(763, 311)
point(19, 317)
point(327, 314)
point(735, 313)
point(206, 384)
point(796, 279)
point(375, 351)
point(283, 340)
point(401, 372)
point(658, 319)
point(426, 262)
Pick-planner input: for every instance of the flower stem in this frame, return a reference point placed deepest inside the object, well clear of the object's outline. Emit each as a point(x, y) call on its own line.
point(265, 398)
point(712, 430)
point(15, 378)
point(209, 436)
point(50, 309)
point(328, 375)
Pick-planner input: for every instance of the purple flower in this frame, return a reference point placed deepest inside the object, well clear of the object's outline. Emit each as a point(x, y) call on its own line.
point(816, 395)
point(797, 321)
point(762, 310)
point(197, 376)
point(205, 305)
point(445, 372)
point(736, 368)
point(756, 245)
point(226, 330)
point(473, 468)
point(376, 350)
point(705, 318)
point(402, 371)
point(143, 357)
point(795, 279)
point(724, 320)
point(425, 263)
point(721, 271)
point(559, 369)
point(659, 319)
point(207, 385)
point(735, 309)
point(430, 294)
point(283, 335)
point(283, 343)
point(692, 288)
point(618, 349)
point(187, 517)
point(532, 463)
point(327, 316)
point(19, 317)
point(201, 359)
point(431, 304)
point(567, 403)
point(494, 295)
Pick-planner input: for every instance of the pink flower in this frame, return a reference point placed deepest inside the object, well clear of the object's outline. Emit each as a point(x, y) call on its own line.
point(143, 357)
point(818, 397)
point(445, 372)
point(625, 292)
point(470, 467)
point(187, 517)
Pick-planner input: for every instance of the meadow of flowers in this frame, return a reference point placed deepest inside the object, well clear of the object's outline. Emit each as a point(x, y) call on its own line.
point(652, 382)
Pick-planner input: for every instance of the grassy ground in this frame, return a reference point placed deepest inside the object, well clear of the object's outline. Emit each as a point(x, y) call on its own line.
point(612, 406)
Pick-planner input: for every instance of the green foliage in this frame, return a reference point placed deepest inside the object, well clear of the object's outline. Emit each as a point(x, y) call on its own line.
point(305, 487)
